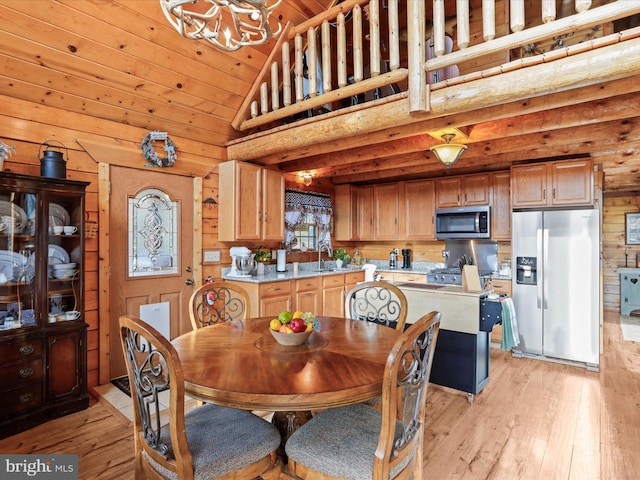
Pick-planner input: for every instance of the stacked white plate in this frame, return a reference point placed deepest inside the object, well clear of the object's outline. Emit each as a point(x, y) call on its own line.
point(63, 270)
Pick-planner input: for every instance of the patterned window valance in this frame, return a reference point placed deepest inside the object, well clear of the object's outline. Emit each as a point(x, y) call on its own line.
point(297, 204)
point(310, 202)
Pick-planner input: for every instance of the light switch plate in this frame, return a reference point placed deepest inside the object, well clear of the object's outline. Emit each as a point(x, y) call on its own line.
point(211, 256)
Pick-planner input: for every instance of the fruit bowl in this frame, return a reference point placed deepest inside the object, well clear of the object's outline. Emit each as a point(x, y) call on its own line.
point(291, 339)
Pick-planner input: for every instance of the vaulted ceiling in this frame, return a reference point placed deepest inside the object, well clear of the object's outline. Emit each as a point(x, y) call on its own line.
point(122, 62)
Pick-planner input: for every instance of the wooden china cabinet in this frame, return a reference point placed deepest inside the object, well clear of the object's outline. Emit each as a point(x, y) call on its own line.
point(43, 336)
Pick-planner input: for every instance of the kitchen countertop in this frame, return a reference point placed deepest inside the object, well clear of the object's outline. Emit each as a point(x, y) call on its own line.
point(308, 269)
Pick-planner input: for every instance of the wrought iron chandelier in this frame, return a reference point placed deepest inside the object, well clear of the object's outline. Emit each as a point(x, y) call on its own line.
point(227, 24)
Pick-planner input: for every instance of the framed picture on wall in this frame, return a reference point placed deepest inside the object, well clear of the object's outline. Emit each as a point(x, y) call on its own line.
point(632, 228)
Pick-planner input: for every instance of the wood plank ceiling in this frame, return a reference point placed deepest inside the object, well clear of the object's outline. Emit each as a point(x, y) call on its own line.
point(121, 61)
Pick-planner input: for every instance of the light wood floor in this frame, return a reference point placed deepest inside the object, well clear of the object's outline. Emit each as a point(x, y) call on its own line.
point(534, 420)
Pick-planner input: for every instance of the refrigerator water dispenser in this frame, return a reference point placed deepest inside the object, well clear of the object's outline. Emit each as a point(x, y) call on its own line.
point(526, 270)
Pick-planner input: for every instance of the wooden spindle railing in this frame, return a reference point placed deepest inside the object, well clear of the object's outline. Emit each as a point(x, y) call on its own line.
point(276, 97)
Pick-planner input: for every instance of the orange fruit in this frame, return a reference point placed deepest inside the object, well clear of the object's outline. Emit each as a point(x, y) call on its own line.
point(283, 329)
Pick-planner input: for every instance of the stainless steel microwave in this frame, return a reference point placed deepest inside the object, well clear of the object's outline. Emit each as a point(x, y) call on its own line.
point(463, 222)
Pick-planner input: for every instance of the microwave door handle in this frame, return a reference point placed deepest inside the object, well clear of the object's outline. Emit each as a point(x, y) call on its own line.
point(477, 222)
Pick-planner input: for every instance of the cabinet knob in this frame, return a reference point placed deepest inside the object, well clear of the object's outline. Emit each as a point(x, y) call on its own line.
point(188, 281)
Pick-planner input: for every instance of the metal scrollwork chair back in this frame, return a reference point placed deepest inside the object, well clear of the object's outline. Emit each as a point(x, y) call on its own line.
point(218, 302)
point(208, 441)
point(374, 443)
point(378, 302)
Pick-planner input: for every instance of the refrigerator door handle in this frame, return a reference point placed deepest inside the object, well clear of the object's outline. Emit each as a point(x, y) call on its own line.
point(545, 264)
point(538, 272)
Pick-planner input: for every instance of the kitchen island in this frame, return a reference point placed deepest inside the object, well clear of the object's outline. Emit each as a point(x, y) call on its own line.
point(461, 359)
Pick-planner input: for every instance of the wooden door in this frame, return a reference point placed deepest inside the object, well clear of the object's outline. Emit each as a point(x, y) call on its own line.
point(419, 201)
point(529, 185)
point(475, 189)
point(448, 192)
point(500, 206)
point(386, 201)
point(248, 202)
point(572, 182)
point(128, 289)
point(272, 205)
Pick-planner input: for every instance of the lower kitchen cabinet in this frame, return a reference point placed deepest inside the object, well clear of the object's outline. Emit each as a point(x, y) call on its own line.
point(333, 290)
point(461, 361)
point(308, 295)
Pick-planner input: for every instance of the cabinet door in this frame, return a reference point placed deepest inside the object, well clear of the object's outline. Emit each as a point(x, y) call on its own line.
point(272, 205)
point(333, 295)
point(66, 358)
point(345, 208)
point(248, 202)
point(419, 204)
point(529, 185)
point(365, 213)
point(475, 190)
point(500, 206)
point(572, 183)
point(448, 192)
point(309, 302)
point(272, 306)
point(386, 200)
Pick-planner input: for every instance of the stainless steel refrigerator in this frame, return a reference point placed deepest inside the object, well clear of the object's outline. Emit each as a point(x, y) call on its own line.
point(556, 284)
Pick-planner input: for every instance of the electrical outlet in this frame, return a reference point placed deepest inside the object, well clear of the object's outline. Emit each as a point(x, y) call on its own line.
point(211, 256)
point(445, 253)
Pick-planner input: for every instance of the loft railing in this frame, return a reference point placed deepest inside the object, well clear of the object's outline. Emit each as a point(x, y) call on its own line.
point(306, 75)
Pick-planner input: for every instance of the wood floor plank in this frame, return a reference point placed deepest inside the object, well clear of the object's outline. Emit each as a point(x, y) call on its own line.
point(535, 420)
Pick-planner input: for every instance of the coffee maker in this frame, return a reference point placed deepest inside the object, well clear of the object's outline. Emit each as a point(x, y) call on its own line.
point(406, 258)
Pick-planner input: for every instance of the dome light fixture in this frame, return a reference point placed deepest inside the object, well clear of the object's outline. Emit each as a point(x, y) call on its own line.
point(306, 178)
point(448, 153)
point(227, 24)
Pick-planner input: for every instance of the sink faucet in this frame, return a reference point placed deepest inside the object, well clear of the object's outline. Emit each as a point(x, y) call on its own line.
point(321, 246)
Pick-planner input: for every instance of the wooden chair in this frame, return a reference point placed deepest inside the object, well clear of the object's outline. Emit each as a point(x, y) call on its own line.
point(379, 302)
point(359, 441)
point(208, 442)
point(218, 302)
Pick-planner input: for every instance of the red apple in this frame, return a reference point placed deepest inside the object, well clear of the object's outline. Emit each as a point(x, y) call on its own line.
point(298, 325)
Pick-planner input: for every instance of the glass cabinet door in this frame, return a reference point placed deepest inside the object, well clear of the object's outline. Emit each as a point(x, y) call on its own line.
point(18, 249)
point(64, 258)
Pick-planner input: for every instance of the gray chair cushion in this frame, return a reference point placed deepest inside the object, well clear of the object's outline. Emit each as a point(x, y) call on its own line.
point(222, 440)
point(341, 442)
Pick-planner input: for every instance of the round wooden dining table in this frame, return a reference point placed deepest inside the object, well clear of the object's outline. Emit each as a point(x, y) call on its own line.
point(240, 364)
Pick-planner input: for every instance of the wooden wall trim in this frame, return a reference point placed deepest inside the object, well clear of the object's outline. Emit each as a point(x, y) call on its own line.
point(103, 270)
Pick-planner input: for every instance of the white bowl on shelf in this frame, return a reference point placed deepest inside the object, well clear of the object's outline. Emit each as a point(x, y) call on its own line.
point(63, 266)
point(63, 274)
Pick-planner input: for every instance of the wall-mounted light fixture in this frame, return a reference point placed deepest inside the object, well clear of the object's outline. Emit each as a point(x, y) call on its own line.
point(448, 153)
point(306, 178)
point(226, 24)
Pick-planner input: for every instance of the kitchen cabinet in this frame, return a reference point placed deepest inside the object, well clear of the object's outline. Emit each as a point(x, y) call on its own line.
point(419, 210)
point(365, 213)
point(333, 292)
point(462, 191)
point(500, 183)
point(251, 203)
point(43, 347)
point(386, 200)
point(403, 277)
point(308, 295)
point(553, 184)
point(345, 213)
point(629, 290)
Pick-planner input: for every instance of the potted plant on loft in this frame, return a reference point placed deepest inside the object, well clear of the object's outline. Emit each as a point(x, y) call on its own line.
point(341, 256)
point(263, 257)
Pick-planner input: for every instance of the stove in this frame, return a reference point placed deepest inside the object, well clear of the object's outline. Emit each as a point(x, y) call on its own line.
point(450, 276)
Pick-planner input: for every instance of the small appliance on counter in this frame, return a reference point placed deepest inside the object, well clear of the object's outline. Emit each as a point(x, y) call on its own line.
point(406, 258)
point(393, 259)
point(242, 262)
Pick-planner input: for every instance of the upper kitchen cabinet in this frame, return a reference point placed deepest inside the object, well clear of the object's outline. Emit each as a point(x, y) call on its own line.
point(553, 184)
point(386, 200)
point(461, 191)
point(252, 203)
point(419, 201)
point(500, 205)
point(346, 218)
point(365, 213)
